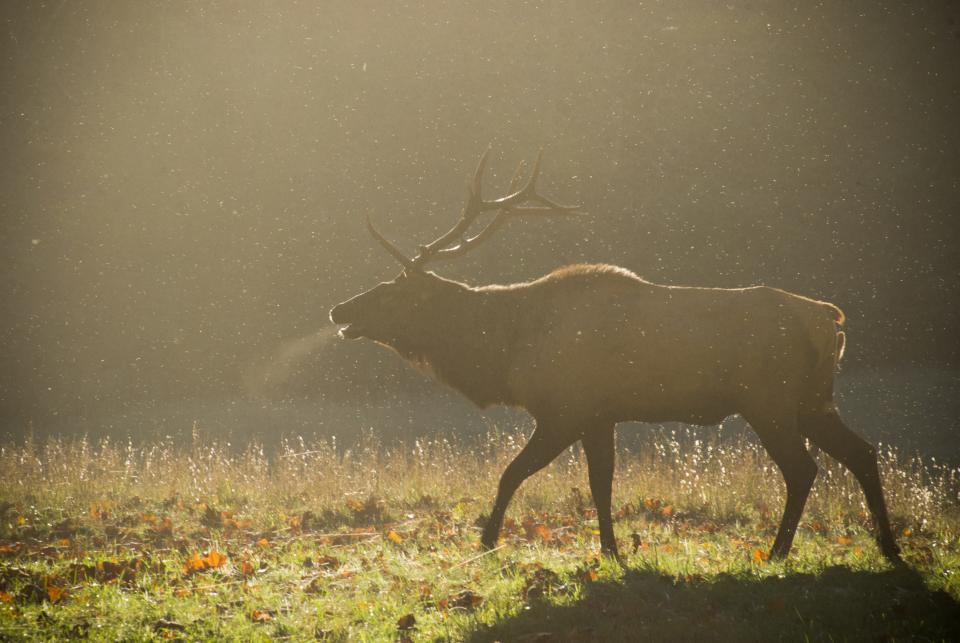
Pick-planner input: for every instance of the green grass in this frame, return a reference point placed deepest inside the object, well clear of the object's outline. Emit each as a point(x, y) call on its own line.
point(121, 542)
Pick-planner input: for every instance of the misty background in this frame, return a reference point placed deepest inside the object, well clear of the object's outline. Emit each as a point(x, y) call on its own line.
point(184, 188)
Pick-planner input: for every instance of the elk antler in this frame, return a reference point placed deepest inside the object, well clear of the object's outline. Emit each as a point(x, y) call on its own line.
point(508, 206)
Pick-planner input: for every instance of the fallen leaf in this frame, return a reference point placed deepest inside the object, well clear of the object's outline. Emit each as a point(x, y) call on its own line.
point(464, 600)
point(328, 561)
point(166, 624)
point(394, 537)
point(55, 593)
point(261, 616)
point(215, 559)
point(543, 532)
point(406, 622)
point(759, 555)
point(844, 540)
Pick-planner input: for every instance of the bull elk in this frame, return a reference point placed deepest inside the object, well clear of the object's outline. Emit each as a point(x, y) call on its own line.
point(588, 346)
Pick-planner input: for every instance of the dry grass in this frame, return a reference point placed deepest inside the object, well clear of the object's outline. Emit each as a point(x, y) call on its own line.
point(689, 510)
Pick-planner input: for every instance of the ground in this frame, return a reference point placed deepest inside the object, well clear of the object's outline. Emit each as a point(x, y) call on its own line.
point(208, 541)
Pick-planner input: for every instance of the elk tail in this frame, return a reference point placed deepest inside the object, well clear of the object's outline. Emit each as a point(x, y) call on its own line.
point(841, 337)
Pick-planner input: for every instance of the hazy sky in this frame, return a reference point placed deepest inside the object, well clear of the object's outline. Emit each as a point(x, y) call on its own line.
point(184, 184)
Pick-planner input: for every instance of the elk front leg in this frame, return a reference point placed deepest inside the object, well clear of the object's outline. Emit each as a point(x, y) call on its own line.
point(785, 446)
point(599, 447)
point(827, 431)
point(544, 445)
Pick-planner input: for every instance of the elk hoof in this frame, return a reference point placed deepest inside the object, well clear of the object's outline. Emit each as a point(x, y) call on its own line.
point(892, 554)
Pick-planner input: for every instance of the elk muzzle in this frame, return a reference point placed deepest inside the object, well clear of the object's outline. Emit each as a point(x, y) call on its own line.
point(343, 315)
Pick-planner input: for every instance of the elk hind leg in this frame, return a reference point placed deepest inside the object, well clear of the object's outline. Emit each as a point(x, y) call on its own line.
point(539, 451)
point(826, 430)
point(599, 448)
point(785, 446)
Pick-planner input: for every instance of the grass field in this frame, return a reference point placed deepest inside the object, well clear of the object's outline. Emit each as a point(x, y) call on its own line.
point(207, 541)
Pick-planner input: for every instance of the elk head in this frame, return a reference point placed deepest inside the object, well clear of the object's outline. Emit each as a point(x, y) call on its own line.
point(395, 312)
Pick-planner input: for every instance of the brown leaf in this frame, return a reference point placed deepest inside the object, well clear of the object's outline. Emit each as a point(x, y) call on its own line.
point(166, 624)
point(543, 532)
point(465, 600)
point(55, 593)
point(406, 622)
point(261, 616)
point(328, 561)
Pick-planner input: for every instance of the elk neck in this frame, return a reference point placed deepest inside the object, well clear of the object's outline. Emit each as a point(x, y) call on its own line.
point(465, 342)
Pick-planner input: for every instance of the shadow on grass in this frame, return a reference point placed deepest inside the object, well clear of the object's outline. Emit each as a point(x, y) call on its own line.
point(838, 604)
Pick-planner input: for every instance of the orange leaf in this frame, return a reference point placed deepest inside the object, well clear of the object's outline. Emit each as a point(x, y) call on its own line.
point(667, 511)
point(215, 559)
point(844, 540)
point(759, 555)
point(590, 575)
point(194, 564)
point(55, 593)
point(246, 568)
point(543, 532)
point(858, 551)
point(260, 616)
point(5, 597)
point(907, 532)
point(394, 536)
point(263, 542)
point(64, 542)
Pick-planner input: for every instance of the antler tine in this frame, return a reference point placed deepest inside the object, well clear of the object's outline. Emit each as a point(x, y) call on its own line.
point(389, 247)
point(490, 228)
point(471, 211)
point(507, 206)
point(478, 175)
point(529, 193)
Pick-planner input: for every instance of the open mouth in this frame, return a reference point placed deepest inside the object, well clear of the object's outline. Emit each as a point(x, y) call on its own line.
point(349, 331)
